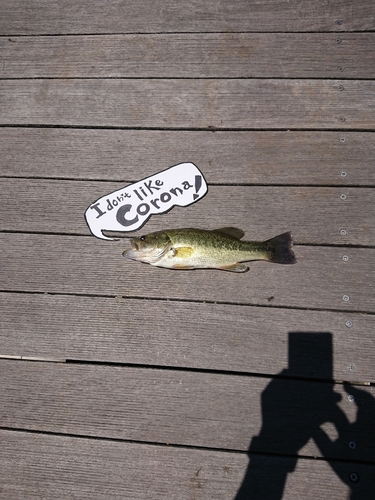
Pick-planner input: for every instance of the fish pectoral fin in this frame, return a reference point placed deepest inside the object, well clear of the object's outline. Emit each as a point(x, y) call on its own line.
point(236, 268)
point(233, 232)
point(183, 252)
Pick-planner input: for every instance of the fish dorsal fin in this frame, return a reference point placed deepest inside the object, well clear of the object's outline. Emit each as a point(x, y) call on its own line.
point(233, 232)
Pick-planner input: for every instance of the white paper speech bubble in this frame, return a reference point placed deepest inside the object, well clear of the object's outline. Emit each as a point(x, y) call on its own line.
point(127, 209)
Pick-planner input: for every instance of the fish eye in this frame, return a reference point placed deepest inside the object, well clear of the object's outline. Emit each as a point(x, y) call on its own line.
point(142, 238)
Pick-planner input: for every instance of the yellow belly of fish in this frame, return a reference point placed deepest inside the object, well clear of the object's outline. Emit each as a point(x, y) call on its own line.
point(189, 258)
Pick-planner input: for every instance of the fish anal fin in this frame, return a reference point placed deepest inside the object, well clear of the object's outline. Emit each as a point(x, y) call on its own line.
point(233, 232)
point(236, 268)
point(183, 252)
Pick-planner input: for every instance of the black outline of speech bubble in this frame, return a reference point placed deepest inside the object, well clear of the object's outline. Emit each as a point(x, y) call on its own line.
point(158, 213)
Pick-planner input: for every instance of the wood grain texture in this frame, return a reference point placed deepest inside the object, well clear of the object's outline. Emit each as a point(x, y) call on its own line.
point(58, 206)
point(40, 465)
point(166, 406)
point(84, 265)
point(215, 55)
point(309, 158)
point(120, 380)
point(176, 103)
point(182, 334)
point(43, 17)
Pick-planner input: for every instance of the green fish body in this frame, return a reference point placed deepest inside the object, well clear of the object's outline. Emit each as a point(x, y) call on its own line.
point(201, 249)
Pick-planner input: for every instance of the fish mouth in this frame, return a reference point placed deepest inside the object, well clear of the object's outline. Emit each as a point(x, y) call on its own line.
point(135, 245)
point(144, 254)
point(133, 252)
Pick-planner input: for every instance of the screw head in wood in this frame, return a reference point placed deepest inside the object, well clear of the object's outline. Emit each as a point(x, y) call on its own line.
point(354, 478)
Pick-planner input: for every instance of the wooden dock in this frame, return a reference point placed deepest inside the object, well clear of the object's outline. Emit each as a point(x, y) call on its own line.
point(123, 380)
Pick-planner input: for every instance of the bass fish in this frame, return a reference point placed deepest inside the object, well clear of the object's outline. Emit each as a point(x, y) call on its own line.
point(202, 249)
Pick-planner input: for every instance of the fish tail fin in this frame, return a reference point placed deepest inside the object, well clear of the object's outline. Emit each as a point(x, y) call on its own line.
point(281, 248)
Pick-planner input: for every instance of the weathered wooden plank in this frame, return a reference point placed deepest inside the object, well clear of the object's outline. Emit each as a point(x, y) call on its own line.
point(190, 335)
point(185, 408)
point(83, 265)
point(176, 103)
point(36, 465)
point(315, 215)
point(42, 17)
point(215, 55)
point(316, 158)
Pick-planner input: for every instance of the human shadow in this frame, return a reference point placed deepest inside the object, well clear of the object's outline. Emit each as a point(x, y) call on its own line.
point(294, 407)
point(365, 420)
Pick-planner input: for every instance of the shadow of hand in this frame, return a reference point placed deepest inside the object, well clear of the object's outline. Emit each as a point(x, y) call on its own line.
point(292, 412)
point(364, 422)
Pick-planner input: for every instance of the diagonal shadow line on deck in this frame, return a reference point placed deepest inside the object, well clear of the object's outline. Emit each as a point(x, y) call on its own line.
point(122, 235)
point(165, 78)
point(185, 129)
point(163, 33)
point(93, 295)
point(216, 184)
point(187, 369)
point(177, 446)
